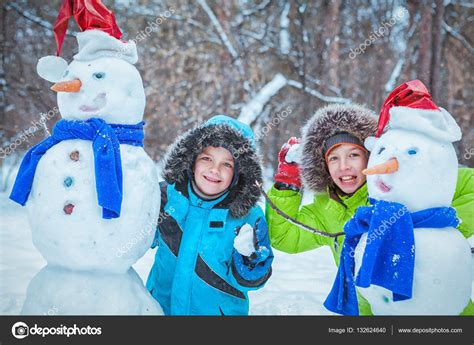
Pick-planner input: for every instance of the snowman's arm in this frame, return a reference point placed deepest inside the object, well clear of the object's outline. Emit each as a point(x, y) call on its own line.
point(286, 236)
point(463, 201)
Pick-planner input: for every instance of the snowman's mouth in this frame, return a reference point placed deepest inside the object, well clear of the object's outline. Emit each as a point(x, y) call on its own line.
point(382, 186)
point(97, 103)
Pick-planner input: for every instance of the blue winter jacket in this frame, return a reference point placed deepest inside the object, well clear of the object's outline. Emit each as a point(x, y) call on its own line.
point(197, 271)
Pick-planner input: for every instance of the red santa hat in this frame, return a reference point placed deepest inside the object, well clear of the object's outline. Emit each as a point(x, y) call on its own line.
point(411, 107)
point(100, 36)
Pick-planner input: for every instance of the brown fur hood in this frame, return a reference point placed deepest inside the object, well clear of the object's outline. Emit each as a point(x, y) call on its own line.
point(326, 122)
point(232, 135)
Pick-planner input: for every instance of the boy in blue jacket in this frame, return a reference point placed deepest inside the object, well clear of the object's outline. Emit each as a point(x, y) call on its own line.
point(212, 238)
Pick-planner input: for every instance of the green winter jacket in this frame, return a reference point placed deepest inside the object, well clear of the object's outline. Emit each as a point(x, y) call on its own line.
point(329, 215)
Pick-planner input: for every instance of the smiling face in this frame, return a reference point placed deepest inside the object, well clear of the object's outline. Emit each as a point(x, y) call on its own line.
point(213, 170)
point(427, 171)
point(345, 163)
point(111, 89)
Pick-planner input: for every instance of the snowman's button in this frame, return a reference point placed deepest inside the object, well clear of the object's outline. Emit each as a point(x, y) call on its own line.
point(74, 156)
point(68, 209)
point(68, 181)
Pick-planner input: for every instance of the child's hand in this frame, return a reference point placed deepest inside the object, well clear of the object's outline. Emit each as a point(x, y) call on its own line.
point(288, 170)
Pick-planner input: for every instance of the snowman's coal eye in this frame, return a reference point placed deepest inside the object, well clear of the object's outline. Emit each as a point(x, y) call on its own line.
point(412, 151)
point(66, 72)
point(381, 150)
point(99, 75)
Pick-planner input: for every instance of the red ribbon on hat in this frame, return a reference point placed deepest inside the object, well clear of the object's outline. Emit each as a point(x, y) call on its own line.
point(89, 14)
point(412, 94)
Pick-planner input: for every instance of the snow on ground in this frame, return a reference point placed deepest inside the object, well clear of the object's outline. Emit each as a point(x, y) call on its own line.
point(298, 286)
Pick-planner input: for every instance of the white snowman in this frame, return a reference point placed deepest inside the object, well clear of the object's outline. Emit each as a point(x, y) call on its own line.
point(89, 248)
point(414, 163)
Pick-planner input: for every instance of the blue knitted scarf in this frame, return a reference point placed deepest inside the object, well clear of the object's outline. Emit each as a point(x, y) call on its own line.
point(106, 140)
point(389, 256)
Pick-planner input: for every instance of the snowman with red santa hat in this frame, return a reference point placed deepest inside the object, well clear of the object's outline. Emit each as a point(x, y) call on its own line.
point(404, 252)
point(90, 189)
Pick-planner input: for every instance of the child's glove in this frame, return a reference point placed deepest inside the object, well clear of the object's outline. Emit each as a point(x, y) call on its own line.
point(249, 241)
point(288, 170)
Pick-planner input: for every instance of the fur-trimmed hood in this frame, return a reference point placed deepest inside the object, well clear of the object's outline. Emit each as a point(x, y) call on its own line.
point(326, 122)
point(235, 136)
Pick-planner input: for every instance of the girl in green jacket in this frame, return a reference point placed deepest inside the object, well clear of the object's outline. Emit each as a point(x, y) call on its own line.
point(333, 157)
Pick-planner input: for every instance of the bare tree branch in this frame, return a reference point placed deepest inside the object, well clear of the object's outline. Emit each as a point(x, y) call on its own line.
point(222, 34)
point(458, 36)
point(318, 94)
point(31, 17)
point(250, 12)
point(252, 109)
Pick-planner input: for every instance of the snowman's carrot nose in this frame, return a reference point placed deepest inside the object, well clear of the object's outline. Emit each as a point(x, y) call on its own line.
point(67, 86)
point(387, 167)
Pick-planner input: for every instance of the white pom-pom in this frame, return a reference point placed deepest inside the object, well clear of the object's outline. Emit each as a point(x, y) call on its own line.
point(51, 68)
point(370, 142)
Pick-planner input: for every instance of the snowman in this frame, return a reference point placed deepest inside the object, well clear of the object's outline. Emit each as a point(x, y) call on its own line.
point(406, 253)
point(90, 189)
